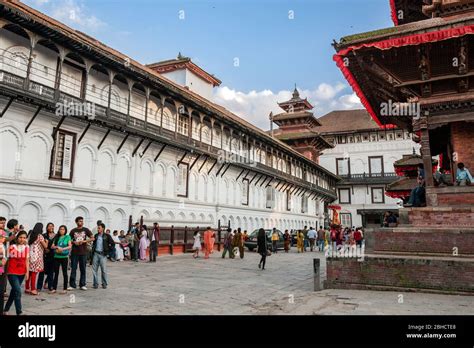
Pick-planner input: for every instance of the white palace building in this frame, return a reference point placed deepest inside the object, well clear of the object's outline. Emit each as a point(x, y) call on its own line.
point(86, 130)
point(363, 157)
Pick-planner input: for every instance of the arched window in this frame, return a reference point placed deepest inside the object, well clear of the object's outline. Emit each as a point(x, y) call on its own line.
point(183, 125)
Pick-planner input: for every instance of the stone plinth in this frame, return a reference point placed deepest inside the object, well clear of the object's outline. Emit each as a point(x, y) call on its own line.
point(402, 273)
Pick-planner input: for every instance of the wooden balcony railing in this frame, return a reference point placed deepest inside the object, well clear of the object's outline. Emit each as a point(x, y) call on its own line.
point(51, 95)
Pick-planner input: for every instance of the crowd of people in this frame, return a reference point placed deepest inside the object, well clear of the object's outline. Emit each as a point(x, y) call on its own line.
point(41, 256)
point(323, 239)
point(417, 196)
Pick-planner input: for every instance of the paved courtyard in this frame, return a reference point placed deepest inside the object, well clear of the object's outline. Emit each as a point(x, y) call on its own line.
point(181, 285)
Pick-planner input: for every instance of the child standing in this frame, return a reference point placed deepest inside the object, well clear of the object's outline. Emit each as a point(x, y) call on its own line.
point(17, 270)
point(197, 244)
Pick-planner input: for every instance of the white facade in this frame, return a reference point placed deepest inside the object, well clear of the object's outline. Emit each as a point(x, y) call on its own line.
point(111, 186)
point(108, 186)
point(358, 147)
point(187, 78)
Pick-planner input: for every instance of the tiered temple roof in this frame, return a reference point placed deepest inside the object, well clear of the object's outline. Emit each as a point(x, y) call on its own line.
point(298, 127)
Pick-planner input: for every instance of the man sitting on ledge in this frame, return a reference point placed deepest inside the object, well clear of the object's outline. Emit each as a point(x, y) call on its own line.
point(463, 176)
point(417, 195)
point(441, 178)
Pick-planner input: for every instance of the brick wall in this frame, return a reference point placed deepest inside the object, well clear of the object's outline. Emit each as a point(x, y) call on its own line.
point(456, 199)
point(436, 242)
point(393, 273)
point(441, 217)
point(462, 135)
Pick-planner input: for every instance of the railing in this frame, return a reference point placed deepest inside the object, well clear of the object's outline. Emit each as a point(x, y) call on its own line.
point(365, 178)
point(182, 238)
point(117, 116)
point(11, 80)
point(370, 175)
point(46, 74)
point(46, 92)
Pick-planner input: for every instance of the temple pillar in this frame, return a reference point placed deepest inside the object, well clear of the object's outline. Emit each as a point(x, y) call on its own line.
point(427, 159)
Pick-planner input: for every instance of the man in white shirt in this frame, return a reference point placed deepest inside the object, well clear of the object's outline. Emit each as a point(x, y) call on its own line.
point(312, 237)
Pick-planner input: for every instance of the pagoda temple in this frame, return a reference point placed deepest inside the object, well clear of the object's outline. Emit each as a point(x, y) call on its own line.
point(298, 127)
point(419, 75)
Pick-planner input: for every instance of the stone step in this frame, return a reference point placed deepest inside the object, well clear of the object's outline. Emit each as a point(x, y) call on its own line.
point(452, 275)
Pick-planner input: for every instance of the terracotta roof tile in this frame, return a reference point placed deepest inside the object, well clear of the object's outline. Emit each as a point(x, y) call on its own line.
point(343, 121)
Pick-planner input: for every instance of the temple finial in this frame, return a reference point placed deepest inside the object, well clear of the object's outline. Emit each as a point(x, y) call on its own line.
point(296, 94)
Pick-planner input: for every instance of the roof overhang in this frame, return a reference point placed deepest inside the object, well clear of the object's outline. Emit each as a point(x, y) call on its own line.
point(286, 105)
point(305, 139)
point(349, 50)
point(181, 64)
point(404, 11)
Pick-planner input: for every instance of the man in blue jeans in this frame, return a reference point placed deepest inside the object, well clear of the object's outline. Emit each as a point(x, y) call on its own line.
point(417, 195)
point(80, 237)
point(101, 247)
point(305, 241)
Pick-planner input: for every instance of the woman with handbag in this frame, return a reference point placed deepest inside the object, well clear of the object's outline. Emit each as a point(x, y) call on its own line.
point(262, 247)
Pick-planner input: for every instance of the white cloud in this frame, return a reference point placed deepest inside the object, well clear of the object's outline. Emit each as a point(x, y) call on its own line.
point(326, 91)
point(255, 106)
point(71, 12)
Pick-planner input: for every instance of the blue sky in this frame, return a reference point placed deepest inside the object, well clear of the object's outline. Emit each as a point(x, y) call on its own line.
point(273, 50)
